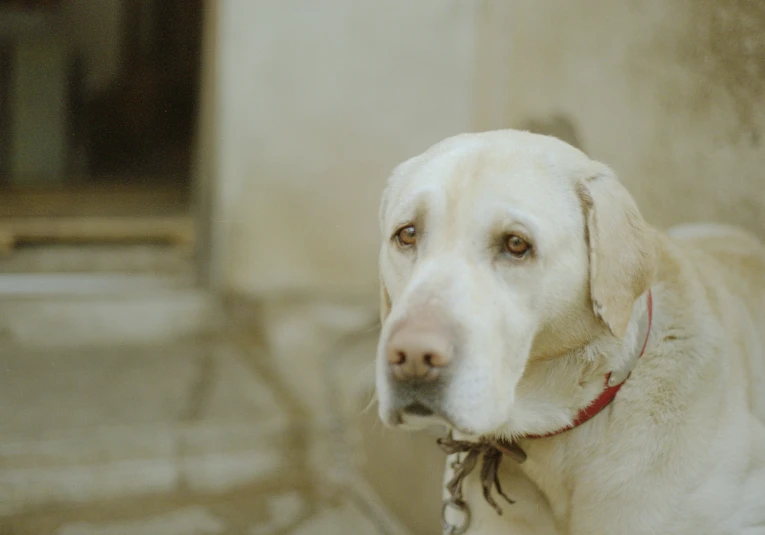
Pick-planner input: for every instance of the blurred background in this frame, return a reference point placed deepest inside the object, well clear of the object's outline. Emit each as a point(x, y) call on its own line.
point(188, 233)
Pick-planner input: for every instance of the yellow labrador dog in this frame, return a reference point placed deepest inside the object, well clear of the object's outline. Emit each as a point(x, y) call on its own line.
point(604, 376)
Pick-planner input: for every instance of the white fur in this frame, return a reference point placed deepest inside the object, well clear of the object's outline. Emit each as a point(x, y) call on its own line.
point(682, 448)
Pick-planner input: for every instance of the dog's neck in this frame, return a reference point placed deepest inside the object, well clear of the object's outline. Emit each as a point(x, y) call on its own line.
point(558, 392)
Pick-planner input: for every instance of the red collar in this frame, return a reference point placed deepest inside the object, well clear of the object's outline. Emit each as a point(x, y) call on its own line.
point(609, 393)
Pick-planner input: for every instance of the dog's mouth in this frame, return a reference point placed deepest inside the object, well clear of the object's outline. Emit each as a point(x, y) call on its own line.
point(419, 416)
point(418, 408)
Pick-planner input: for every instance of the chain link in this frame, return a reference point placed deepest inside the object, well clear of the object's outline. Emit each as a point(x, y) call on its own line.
point(455, 529)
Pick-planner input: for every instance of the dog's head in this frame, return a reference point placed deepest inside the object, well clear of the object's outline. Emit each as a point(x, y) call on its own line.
point(498, 248)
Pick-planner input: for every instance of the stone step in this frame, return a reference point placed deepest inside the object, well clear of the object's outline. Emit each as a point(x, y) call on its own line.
point(118, 462)
point(91, 423)
point(51, 310)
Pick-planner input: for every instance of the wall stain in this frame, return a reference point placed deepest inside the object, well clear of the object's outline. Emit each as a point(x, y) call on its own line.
point(721, 46)
point(557, 125)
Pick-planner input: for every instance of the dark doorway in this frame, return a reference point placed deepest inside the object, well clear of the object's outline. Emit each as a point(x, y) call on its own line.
point(98, 113)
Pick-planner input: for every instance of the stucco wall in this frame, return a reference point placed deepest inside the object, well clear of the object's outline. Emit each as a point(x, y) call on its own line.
point(669, 93)
point(318, 101)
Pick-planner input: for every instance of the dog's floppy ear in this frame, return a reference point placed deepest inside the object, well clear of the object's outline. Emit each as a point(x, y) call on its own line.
point(621, 249)
point(385, 304)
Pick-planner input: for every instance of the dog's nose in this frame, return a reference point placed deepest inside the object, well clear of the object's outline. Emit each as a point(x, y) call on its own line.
point(418, 352)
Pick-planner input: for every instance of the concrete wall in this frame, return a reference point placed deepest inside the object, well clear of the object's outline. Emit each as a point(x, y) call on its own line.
point(669, 93)
point(318, 101)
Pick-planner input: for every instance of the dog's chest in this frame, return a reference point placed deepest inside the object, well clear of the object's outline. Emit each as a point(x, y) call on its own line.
point(547, 468)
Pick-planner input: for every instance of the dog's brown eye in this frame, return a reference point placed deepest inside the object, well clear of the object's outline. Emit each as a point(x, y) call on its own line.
point(516, 246)
point(407, 236)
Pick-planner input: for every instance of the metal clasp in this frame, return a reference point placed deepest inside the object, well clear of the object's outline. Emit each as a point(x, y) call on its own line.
point(455, 529)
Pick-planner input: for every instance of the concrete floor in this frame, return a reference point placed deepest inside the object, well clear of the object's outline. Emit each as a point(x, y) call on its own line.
point(140, 411)
point(246, 511)
point(179, 438)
